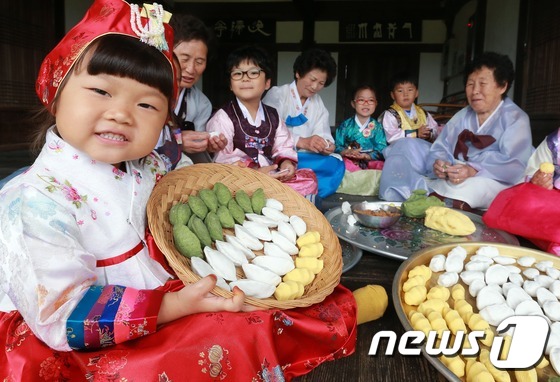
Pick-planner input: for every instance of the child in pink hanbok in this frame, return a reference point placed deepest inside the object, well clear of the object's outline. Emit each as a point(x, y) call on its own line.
point(257, 137)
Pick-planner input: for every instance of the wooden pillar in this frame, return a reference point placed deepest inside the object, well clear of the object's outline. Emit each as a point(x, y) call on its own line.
point(482, 6)
point(308, 9)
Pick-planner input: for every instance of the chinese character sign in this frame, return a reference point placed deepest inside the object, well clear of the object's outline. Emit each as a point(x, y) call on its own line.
point(382, 31)
point(244, 30)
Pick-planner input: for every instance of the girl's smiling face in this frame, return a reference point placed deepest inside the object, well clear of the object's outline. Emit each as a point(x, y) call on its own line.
point(112, 119)
point(364, 103)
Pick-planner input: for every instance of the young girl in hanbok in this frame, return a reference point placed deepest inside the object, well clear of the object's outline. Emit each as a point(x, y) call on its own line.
point(257, 137)
point(84, 295)
point(360, 139)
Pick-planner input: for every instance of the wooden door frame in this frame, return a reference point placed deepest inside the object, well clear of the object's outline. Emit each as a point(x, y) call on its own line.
point(544, 116)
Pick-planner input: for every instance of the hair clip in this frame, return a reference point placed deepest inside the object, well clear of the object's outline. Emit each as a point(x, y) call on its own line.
point(153, 33)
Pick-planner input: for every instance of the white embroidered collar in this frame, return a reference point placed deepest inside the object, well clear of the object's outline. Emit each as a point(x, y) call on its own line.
point(301, 108)
point(258, 118)
point(362, 126)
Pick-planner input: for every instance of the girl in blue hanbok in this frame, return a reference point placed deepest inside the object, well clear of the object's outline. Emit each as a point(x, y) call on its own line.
point(361, 139)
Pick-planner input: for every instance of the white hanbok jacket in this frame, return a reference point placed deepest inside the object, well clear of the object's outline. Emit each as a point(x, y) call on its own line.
point(286, 100)
point(59, 221)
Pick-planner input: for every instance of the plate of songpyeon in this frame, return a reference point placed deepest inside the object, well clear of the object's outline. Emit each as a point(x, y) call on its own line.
point(475, 286)
point(180, 185)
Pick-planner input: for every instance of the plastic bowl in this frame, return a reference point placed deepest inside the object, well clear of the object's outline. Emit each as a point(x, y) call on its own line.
point(373, 221)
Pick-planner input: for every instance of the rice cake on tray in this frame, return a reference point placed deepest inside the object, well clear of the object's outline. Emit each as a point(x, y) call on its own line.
point(178, 185)
point(408, 235)
point(424, 257)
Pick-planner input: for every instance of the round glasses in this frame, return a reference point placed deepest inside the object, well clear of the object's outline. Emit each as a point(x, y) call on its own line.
point(253, 73)
point(361, 101)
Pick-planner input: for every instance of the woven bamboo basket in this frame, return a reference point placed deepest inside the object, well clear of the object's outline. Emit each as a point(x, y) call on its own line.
point(176, 187)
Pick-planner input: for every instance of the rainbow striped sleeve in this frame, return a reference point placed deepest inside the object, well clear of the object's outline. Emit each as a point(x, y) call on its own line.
point(112, 314)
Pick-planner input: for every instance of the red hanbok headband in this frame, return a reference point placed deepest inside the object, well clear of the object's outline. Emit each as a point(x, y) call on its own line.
point(149, 25)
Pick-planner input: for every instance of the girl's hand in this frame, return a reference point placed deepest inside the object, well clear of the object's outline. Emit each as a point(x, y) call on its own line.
point(268, 170)
point(217, 143)
point(351, 153)
point(542, 179)
point(364, 156)
point(286, 171)
point(196, 298)
point(240, 164)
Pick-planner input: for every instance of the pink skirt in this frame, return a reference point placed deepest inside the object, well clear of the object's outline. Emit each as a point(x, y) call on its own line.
point(304, 182)
point(371, 165)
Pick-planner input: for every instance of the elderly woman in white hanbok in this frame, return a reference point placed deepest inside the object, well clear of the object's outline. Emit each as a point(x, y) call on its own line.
point(482, 150)
point(307, 118)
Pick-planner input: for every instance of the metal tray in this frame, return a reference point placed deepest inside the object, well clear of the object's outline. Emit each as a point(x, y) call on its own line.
point(423, 258)
point(351, 255)
point(408, 235)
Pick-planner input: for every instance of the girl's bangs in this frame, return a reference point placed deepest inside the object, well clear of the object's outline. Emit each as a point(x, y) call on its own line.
point(124, 56)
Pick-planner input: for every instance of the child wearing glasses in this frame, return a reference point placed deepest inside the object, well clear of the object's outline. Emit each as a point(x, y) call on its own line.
point(404, 119)
point(256, 136)
point(360, 139)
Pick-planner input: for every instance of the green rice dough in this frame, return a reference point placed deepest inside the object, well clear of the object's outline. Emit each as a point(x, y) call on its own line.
point(417, 204)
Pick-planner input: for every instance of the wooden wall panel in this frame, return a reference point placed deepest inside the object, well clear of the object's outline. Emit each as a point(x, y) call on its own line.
point(27, 33)
point(541, 82)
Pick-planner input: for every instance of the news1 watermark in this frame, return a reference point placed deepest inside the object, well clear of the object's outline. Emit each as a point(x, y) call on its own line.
point(529, 338)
